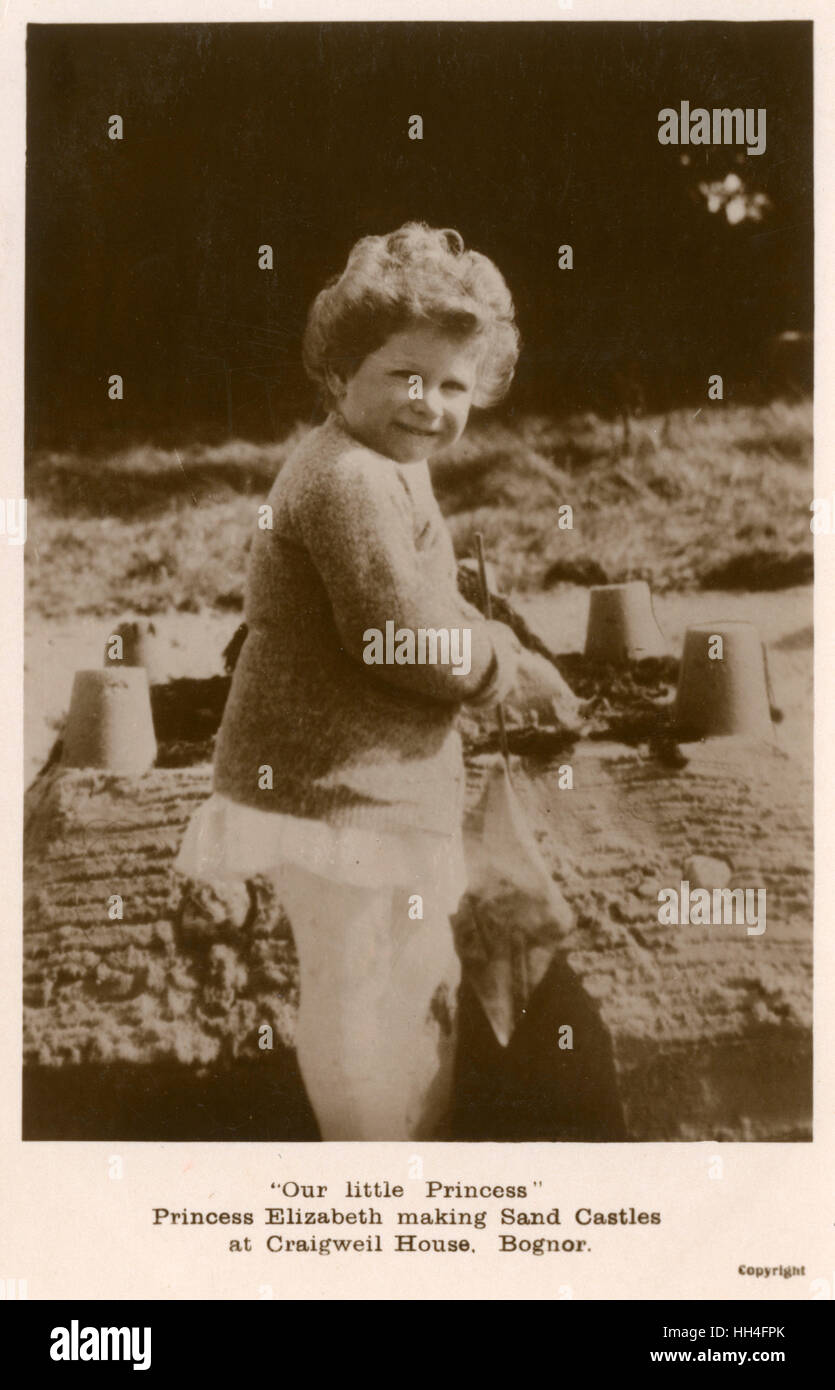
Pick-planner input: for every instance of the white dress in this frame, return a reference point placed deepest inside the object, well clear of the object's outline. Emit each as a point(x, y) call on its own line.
point(375, 1033)
point(227, 840)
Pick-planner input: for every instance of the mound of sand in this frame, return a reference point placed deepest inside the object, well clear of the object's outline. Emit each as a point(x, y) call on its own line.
point(693, 1032)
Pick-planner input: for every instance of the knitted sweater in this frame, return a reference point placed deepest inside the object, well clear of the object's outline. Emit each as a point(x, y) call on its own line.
point(357, 541)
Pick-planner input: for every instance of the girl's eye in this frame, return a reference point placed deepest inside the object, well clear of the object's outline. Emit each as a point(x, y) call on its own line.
point(454, 386)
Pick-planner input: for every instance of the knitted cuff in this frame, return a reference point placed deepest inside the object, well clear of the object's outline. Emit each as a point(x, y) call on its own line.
point(501, 673)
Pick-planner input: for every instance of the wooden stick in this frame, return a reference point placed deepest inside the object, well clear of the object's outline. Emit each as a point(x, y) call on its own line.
point(488, 613)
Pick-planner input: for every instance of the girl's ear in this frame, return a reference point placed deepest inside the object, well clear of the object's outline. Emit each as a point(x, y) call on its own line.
point(334, 383)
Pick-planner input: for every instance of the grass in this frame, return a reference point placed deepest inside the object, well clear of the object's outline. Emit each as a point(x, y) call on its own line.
point(148, 530)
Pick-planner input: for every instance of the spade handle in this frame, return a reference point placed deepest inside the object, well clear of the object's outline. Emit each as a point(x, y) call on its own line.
point(488, 613)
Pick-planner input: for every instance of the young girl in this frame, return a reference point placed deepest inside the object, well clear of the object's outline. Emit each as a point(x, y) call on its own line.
point(340, 776)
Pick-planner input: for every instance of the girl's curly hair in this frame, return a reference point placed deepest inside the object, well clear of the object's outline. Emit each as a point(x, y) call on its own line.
point(416, 274)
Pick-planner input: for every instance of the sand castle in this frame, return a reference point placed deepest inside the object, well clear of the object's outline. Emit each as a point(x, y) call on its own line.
point(109, 724)
point(621, 624)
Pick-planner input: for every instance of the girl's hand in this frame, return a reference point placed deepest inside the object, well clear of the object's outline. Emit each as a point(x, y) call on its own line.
point(541, 693)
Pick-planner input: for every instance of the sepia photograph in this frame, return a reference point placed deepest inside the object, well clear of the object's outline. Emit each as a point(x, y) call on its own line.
point(419, 521)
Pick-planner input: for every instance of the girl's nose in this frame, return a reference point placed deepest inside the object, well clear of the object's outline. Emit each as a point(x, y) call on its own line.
point(432, 401)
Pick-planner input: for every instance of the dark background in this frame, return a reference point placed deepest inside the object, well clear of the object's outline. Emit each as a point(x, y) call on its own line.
point(142, 253)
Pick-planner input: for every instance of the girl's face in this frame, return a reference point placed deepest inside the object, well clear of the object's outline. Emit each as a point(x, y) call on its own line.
point(409, 420)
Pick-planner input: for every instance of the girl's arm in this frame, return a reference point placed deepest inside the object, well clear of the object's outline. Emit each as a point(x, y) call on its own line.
point(356, 523)
point(532, 683)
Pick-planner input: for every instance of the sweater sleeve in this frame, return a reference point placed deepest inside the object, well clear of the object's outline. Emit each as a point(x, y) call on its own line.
point(355, 520)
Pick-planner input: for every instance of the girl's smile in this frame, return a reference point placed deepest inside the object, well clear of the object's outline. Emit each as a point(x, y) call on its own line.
point(411, 397)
